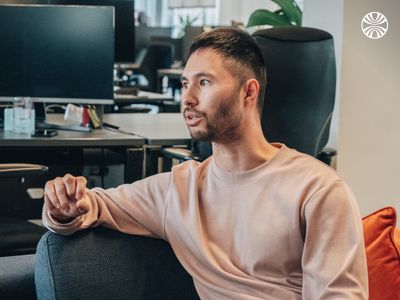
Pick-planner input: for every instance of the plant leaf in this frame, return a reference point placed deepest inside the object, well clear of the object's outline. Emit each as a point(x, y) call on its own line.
point(266, 17)
point(291, 10)
point(282, 14)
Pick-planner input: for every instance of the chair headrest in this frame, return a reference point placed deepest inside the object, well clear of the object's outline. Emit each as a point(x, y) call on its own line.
point(293, 34)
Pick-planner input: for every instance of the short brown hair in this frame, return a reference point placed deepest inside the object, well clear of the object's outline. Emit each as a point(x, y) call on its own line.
point(240, 47)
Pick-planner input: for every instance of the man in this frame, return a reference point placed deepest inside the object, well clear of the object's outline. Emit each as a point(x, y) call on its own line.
point(253, 221)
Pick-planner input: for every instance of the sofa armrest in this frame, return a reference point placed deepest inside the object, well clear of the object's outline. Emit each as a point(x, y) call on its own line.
point(100, 263)
point(180, 154)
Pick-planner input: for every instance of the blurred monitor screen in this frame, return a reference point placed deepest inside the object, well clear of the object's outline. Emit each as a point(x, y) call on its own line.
point(124, 25)
point(57, 53)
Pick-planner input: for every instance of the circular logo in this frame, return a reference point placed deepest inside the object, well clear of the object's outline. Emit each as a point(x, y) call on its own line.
point(374, 25)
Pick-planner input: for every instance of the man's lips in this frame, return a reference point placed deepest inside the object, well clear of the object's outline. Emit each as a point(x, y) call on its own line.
point(192, 118)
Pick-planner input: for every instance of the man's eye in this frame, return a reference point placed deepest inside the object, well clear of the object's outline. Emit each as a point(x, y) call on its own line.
point(184, 84)
point(205, 82)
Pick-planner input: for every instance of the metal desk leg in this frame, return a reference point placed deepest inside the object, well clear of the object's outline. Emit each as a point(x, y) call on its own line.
point(133, 165)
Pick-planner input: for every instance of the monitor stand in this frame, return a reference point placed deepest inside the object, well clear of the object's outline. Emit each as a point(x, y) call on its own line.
point(41, 123)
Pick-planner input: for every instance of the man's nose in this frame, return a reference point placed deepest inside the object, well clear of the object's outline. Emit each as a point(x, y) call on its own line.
point(188, 97)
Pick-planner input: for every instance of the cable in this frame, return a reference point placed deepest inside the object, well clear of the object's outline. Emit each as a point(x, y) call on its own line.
point(47, 107)
point(114, 128)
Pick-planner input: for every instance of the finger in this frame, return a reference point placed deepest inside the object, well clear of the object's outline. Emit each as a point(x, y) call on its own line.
point(80, 187)
point(61, 193)
point(83, 206)
point(69, 182)
point(50, 194)
point(48, 203)
point(58, 214)
point(54, 211)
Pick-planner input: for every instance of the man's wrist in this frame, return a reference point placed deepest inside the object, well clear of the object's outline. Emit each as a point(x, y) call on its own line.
point(62, 220)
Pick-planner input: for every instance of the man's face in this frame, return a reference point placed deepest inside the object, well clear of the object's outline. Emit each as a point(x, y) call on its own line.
point(211, 98)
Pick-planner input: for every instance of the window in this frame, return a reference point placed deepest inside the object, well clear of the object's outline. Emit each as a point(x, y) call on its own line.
point(159, 13)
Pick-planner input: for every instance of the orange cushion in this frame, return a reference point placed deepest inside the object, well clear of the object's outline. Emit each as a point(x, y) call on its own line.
point(383, 254)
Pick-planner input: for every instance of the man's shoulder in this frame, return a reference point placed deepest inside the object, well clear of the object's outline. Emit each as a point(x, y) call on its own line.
point(305, 167)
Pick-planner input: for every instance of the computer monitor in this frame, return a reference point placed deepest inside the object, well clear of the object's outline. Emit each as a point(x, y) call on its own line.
point(57, 54)
point(144, 35)
point(124, 25)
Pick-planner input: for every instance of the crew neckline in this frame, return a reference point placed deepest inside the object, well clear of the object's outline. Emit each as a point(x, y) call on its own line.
point(241, 175)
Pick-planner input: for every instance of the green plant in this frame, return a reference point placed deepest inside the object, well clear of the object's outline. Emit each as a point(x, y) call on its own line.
point(289, 13)
point(183, 22)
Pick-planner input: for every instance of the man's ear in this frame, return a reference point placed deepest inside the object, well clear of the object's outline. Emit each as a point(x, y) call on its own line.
point(252, 88)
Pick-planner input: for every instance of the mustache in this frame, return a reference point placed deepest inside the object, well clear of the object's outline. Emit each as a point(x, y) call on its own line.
point(192, 110)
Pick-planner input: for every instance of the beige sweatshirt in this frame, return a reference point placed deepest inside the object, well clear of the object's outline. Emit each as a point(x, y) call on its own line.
point(288, 229)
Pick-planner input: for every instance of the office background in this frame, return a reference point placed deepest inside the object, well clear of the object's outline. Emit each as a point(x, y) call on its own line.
point(365, 123)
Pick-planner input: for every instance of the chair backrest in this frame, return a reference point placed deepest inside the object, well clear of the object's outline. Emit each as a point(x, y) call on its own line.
point(301, 84)
point(158, 56)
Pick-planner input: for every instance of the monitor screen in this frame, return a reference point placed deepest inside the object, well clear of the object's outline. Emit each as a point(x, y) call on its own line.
point(124, 25)
point(145, 34)
point(57, 53)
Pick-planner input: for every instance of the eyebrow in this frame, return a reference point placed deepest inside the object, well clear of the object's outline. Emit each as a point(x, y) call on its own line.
point(200, 74)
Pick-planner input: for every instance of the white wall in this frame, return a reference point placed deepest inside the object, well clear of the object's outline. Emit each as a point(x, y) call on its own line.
point(240, 10)
point(369, 139)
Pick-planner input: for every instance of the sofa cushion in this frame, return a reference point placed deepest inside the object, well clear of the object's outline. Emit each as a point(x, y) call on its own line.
point(16, 277)
point(382, 243)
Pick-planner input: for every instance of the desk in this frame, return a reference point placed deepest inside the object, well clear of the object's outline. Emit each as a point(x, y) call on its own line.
point(154, 132)
point(165, 129)
point(144, 97)
point(159, 130)
point(132, 145)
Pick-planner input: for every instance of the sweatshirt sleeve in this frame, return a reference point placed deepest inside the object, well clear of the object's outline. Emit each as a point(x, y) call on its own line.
point(137, 208)
point(334, 260)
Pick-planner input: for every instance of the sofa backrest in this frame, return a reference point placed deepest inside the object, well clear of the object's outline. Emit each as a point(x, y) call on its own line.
point(100, 263)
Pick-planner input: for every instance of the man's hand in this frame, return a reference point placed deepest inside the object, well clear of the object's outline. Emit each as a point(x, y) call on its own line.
point(65, 197)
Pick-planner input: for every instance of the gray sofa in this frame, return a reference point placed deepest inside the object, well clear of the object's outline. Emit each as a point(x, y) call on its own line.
point(98, 263)
point(16, 277)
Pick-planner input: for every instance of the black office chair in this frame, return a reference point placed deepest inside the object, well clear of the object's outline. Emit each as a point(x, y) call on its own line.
point(158, 56)
point(301, 85)
point(300, 93)
point(17, 235)
point(199, 151)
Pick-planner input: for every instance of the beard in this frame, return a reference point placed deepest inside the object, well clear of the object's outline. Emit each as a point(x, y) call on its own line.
point(222, 125)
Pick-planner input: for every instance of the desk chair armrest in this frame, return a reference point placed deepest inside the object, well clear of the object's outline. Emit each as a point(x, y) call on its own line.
point(15, 170)
point(327, 155)
point(180, 154)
